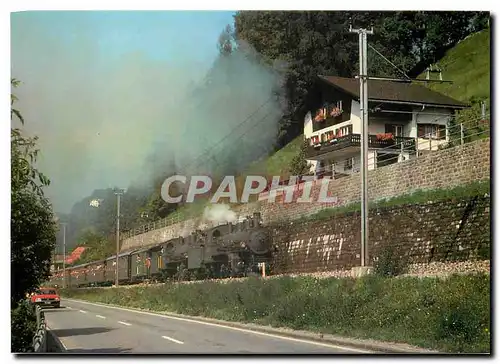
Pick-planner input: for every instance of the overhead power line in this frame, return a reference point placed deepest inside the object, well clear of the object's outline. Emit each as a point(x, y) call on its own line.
point(388, 61)
point(215, 145)
point(264, 118)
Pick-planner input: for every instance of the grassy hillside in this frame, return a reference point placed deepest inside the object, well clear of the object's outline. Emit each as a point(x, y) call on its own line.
point(468, 66)
point(279, 162)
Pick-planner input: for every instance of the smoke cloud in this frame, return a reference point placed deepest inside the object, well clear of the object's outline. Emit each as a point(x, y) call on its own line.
point(219, 213)
point(99, 122)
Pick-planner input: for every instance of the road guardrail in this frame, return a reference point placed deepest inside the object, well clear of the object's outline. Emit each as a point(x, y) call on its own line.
point(40, 338)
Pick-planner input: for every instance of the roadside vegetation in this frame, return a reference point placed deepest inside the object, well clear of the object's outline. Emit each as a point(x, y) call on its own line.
point(450, 315)
point(33, 230)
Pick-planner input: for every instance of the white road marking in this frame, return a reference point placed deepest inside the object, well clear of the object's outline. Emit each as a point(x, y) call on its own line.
point(100, 316)
point(172, 339)
point(230, 328)
point(82, 311)
point(124, 323)
point(68, 307)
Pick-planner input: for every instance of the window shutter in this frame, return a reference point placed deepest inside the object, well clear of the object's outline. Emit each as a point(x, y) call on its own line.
point(421, 130)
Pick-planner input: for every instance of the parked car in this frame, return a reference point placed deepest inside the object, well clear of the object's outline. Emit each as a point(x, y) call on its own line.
point(46, 297)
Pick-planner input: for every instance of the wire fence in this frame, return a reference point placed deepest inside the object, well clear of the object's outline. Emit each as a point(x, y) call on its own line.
point(173, 219)
point(40, 338)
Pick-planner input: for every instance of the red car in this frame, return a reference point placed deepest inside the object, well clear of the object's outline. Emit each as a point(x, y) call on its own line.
point(46, 297)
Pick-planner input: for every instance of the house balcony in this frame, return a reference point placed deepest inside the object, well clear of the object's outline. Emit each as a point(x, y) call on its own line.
point(351, 143)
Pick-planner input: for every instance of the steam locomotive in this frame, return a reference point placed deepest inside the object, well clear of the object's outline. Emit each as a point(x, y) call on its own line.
point(227, 250)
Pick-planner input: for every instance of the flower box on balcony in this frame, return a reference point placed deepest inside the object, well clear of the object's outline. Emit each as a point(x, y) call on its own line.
point(386, 136)
point(320, 116)
point(335, 112)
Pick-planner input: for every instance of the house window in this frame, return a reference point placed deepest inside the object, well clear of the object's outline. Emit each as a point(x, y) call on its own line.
point(329, 110)
point(396, 130)
point(334, 109)
point(431, 131)
point(330, 114)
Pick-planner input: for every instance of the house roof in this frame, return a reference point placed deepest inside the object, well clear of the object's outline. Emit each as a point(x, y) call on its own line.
point(394, 91)
point(75, 254)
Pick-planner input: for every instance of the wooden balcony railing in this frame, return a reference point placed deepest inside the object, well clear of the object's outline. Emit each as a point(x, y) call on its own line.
point(354, 140)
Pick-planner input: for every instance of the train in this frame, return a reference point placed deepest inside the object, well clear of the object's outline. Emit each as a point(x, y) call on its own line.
point(227, 250)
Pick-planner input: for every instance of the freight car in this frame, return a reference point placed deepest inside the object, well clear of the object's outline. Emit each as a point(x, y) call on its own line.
point(222, 251)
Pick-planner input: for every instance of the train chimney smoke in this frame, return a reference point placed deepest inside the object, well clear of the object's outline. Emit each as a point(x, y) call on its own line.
point(219, 213)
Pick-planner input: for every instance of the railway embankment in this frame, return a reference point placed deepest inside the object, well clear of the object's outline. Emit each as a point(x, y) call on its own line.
point(447, 314)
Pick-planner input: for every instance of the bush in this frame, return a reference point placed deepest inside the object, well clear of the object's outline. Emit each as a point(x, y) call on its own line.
point(451, 315)
point(23, 327)
point(390, 263)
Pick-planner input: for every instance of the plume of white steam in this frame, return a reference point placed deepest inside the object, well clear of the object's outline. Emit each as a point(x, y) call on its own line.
point(219, 213)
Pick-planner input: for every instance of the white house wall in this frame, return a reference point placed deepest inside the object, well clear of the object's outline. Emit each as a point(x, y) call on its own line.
point(377, 127)
point(355, 117)
point(313, 164)
point(339, 164)
point(308, 126)
point(355, 120)
point(437, 116)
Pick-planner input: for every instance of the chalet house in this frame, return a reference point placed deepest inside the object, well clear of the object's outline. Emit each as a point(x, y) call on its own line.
point(404, 119)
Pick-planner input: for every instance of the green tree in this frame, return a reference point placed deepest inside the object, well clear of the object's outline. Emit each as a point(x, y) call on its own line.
point(299, 165)
point(33, 229)
point(226, 42)
point(23, 327)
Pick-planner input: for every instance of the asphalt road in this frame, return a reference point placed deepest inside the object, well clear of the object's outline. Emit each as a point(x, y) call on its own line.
point(91, 328)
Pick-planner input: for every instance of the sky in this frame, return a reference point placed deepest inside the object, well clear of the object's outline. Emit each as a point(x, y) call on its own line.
point(96, 84)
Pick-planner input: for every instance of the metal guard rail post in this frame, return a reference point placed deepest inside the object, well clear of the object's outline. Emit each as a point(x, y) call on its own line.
point(40, 338)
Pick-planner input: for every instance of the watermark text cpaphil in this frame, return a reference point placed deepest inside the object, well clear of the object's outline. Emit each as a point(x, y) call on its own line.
point(254, 185)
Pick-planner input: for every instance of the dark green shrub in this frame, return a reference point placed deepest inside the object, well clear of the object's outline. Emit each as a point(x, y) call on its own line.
point(23, 327)
point(390, 263)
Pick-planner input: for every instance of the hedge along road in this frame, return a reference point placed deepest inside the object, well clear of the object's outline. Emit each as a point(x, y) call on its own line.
point(84, 327)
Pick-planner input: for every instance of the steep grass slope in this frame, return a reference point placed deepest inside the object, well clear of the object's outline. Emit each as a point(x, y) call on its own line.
point(468, 66)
